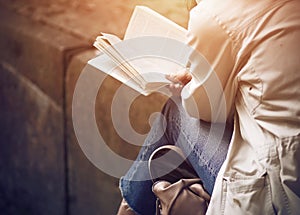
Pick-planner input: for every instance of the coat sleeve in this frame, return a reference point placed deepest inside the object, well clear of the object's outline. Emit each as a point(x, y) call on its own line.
point(209, 96)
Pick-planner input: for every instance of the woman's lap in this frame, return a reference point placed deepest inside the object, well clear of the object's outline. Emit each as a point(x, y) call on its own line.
point(203, 143)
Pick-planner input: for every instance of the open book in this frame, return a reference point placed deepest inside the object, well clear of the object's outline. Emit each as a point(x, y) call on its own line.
point(153, 46)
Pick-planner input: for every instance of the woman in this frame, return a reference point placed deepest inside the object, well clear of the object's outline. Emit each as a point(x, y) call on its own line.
point(254, 50)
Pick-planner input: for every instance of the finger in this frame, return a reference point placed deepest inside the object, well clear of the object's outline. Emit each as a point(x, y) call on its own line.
point(172, 77)
point(176, 77)
point(175, 86)
point(175, 89)
point(184, 77)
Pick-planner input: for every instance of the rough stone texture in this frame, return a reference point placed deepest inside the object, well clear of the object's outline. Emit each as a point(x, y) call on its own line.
point(36, 51)
point(87, 18)
point(31, 156)
point(42, 168)
point(87, 184)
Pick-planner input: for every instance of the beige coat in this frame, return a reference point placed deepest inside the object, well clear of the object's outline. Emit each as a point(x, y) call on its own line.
point(253, 47)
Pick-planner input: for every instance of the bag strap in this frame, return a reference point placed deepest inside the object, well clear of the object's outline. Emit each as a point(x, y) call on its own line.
point(169, 163)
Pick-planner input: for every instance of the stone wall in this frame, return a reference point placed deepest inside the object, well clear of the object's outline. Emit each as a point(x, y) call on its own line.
point(44, 46)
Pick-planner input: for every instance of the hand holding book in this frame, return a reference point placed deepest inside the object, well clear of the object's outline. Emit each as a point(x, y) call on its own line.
point(179, 80)
point(152, 36)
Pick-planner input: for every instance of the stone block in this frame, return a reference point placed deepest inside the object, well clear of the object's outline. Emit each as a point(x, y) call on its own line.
point(94, 191)
point(86, 18)
point(32, 169)
point(39, 173)
point(90, 190)
point(37, 51)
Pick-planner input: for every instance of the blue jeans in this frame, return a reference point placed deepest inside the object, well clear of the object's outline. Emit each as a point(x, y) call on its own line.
point(205, 145)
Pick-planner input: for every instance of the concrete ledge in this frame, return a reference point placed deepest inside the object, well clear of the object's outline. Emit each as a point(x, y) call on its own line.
point(84, 177)
point(32, 157)
point(37, 51)
point(43, 48)
point(33, 58)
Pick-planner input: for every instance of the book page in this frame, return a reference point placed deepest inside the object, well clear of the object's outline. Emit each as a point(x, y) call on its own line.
point(147, 22)
point(107, 43)
point(113, 39)
point(144, 60)
point(104, 63)
point(150, 68)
